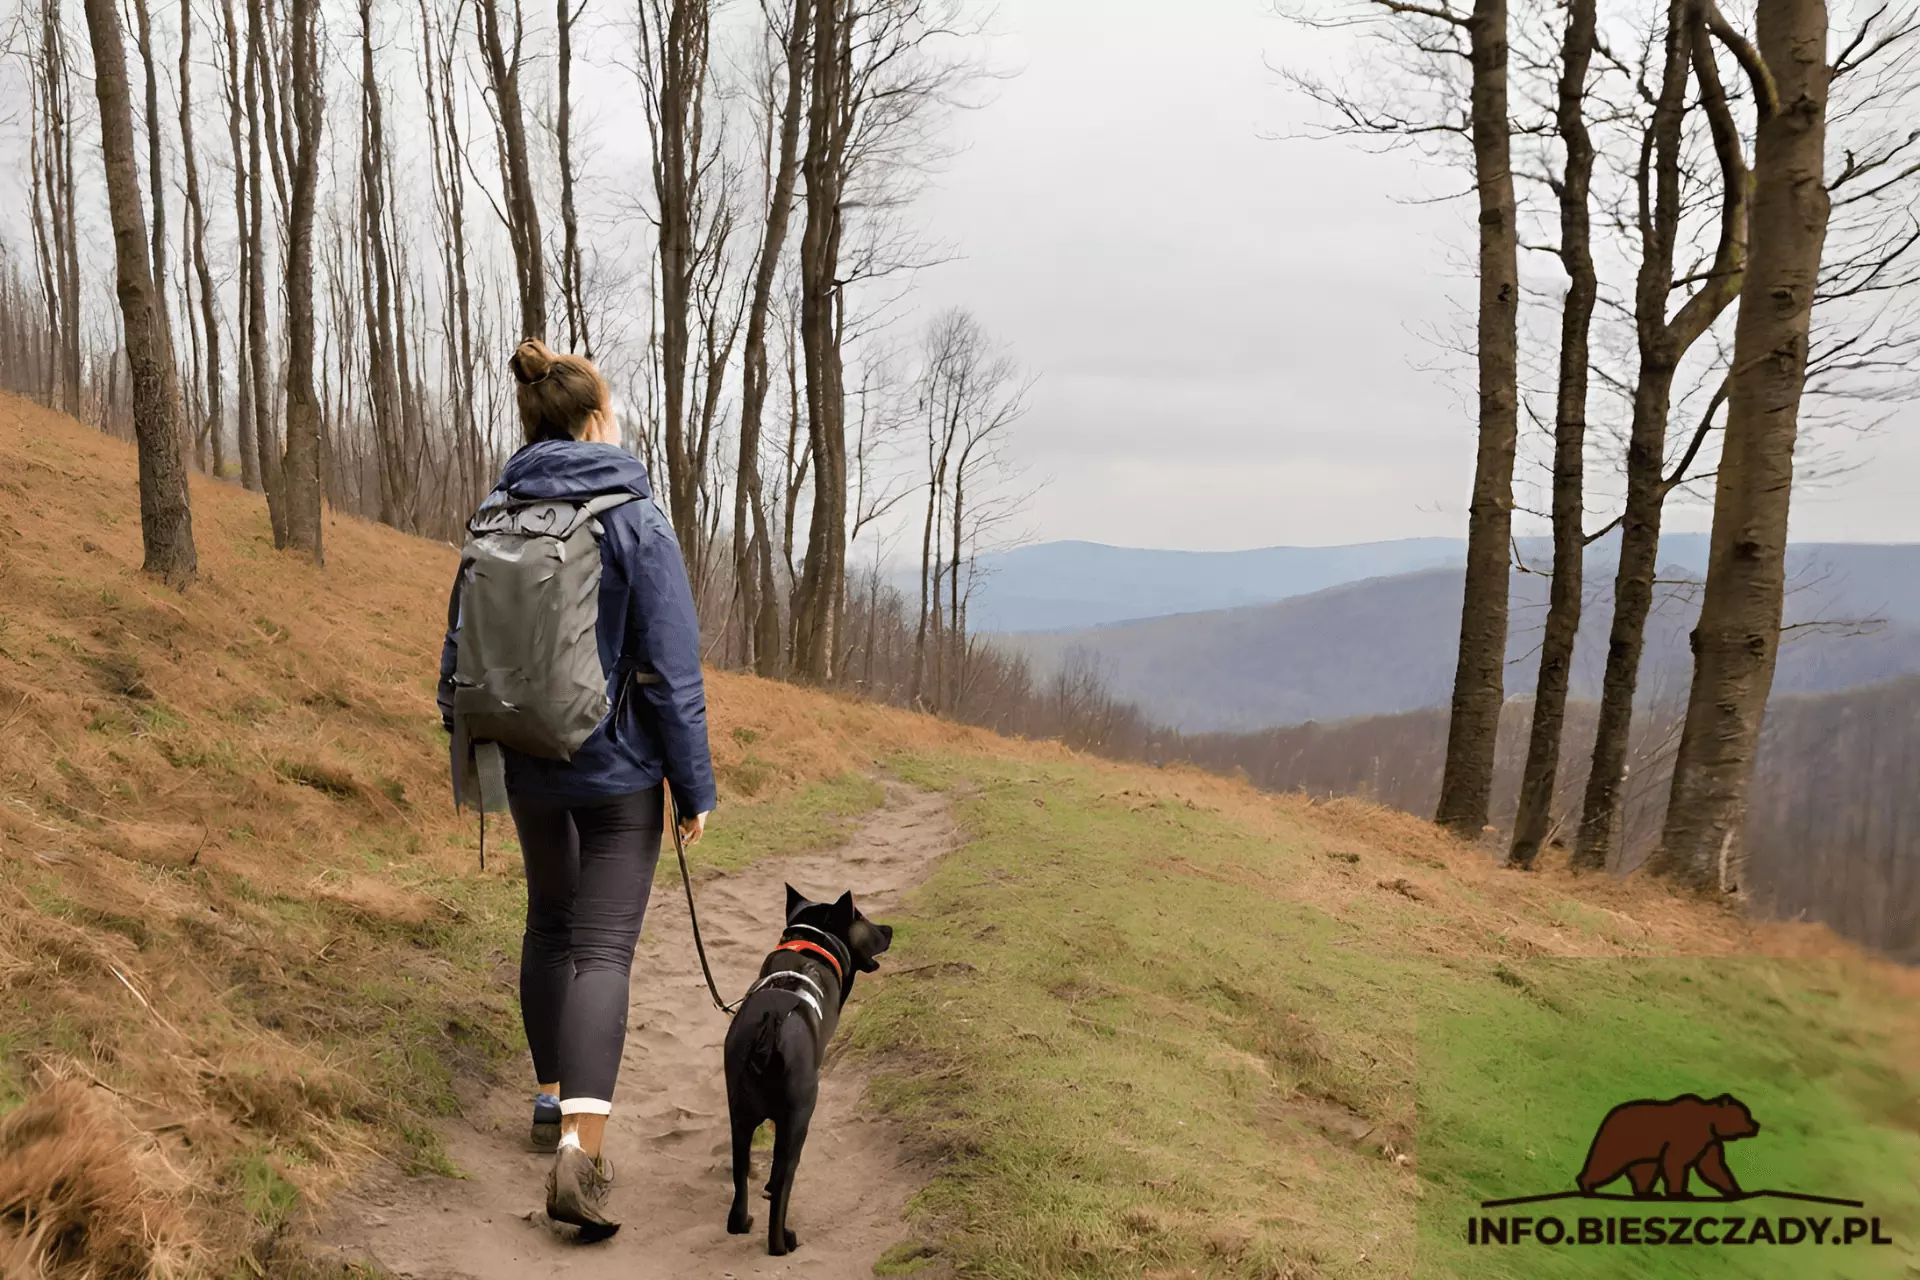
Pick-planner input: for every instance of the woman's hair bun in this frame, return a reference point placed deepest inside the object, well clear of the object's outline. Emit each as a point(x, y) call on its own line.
point(532, 361)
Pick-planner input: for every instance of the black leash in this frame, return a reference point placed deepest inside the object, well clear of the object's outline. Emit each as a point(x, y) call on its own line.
point(693, 915)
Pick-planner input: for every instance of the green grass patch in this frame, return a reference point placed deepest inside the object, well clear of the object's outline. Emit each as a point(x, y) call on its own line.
point(1136, 1045)
point(268, 1197)
point(909, 1258)
point(1513, 1089)
point(811, 818)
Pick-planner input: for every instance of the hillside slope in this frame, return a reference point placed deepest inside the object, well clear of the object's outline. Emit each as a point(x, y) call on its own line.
point(1143, 1023)
point(1387, 645)
point(235, 900)
point(1830, 834)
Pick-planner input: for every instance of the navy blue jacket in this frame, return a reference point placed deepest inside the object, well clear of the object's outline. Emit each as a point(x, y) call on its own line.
point(647, 623)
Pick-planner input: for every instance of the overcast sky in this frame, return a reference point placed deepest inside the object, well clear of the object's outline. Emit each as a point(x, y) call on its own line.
point(1228, 329)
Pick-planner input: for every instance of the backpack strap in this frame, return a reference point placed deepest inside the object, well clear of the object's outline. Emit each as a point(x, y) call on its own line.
point(541, 517)
point(479, 772)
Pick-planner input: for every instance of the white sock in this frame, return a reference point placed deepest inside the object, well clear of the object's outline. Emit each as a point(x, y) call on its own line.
point(570, 1140)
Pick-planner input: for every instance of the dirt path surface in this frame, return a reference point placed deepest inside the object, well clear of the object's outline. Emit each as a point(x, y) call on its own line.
point(668, 1137)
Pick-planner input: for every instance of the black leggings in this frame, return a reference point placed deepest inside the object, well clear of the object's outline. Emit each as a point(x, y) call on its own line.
point(589, 872)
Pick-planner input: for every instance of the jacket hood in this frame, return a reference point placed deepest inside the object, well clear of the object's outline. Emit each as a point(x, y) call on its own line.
point(573, 469)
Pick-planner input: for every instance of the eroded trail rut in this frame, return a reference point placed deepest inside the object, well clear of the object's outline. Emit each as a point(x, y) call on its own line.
point(668, 1137)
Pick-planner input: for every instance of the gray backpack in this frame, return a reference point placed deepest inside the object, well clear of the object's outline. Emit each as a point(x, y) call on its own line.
point(528, 673)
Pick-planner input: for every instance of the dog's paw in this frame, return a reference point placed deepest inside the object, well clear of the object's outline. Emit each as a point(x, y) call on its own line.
point(738, 1224)
point(780, 1244)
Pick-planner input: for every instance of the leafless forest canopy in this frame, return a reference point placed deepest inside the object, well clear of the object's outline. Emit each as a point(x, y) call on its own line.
point(289, 243)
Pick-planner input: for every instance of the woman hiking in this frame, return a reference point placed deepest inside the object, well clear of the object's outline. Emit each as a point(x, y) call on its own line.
point(580, 714)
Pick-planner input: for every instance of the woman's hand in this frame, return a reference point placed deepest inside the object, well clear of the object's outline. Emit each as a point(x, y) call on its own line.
point(691, 829)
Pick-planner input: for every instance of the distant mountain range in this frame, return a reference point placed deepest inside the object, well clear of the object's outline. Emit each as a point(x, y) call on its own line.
point(1055, 586)
point(1386, 644)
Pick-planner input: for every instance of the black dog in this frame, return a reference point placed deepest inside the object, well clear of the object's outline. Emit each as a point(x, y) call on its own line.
point(773, 1056)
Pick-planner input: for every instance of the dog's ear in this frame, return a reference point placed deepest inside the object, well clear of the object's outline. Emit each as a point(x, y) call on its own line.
point(795, 901)
point(844, 912)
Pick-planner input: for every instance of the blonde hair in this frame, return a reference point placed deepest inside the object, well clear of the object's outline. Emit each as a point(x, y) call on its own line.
point(558, 394)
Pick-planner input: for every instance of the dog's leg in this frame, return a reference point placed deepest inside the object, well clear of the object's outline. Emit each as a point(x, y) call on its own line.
point(787, 1141)
point(740, 1220)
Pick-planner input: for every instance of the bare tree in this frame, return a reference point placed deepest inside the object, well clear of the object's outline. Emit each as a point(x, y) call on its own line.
point(301, 466)
point(166, 519)
point(672, 71)
point(377, 293)
point(1478, 682)
point(236, 100)
point(1433, 41)
point(55, 228)
point(965, 398)
point(820, 324)
point(782, 104)
point(1535, 815)
point(1738, 637)
point(877, 75)
point(203, 269)
point(1662, 345)
point(156, 163)
point(571, 286)
point(503, 63)
point(259, 341)
point(449, 188)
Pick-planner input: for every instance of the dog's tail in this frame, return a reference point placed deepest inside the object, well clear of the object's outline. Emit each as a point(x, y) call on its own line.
point(765, 1046)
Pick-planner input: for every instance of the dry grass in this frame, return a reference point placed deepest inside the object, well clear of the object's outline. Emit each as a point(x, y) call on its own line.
point(236, 904)
point(227, 858)
point(74, 1204)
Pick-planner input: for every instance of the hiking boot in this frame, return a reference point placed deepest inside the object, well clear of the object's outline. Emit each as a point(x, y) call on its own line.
point(577, 1193)
point(545, 1134)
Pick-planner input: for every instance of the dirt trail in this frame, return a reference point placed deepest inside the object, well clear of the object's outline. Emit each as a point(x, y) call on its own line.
point(668, 1137)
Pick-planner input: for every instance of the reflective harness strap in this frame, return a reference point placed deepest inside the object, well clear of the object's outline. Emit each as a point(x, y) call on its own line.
point(813, 997)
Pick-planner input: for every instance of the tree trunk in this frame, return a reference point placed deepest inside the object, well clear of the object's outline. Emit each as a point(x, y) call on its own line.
point(956, 621)
point(156, 164)
point(916, 682)
point(1737, 640)
point(62, 271)
point(377, 290)
point(203, 270)
point(166, 519)
point(1478, 684)
point(1663, 344)
point(523, 214)
point(259, 340)
point(44, 145)
point(578, 339)
point(450, 193)
point(413, 432)
point(1535, 815)
point(752, 548)
point(673, 72)
point(300, 469)
point(243, 357)
point(192, 409)
point(942, 409)
point(823, 576)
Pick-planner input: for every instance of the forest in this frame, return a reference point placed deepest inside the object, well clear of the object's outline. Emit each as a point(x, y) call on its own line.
point(329, 224)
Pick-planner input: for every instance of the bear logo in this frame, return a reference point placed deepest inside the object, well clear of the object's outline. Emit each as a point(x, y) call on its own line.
point(1650, 1142)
